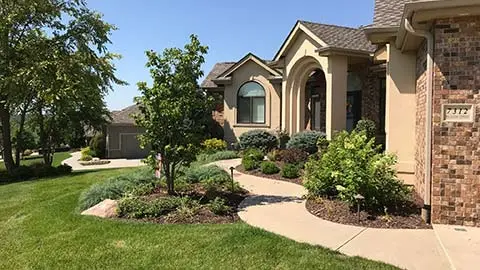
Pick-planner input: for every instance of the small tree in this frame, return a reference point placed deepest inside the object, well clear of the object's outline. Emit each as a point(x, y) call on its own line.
point(174, 113)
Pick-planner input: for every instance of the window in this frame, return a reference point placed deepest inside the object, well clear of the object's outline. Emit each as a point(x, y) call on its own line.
point(251, 104)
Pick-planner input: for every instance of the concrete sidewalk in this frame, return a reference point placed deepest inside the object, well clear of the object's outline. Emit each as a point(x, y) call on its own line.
point(114, 163)
point(278, 207)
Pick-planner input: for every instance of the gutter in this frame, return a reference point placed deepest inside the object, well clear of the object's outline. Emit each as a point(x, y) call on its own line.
point(426, 211)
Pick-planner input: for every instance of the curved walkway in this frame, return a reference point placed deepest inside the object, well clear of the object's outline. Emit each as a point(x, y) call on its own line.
point(278, 207)
point(114, 163)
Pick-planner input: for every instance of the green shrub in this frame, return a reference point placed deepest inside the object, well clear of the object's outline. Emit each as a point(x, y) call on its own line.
point(23, 172)
point(135, 207)
point(221, 155)
point(368, 126)
point(269, 167)
point(87, 154)
point(116, 187)
point(274, 155)
point(211, 146)
point(260, 139)
point(306, 141)
point(352, 165)
point(219, 207)
point(293, 156)
point(249, 163)
point(98, 145)
point(283, 138)
point(290, 171)
point(254, 154)
point(39, 170)
point(210, 173)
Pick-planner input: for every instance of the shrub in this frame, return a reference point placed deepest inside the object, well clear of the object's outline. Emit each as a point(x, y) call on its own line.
point(290, 171)
point(116, 187)
point(352, 165)
point(211, 174)
point(254, 154)
point(274, 155)
point(269, 167)
point(306, 141)
point(135, 207)
point(22, 172)
point(293, 156)
point(39, 170)
point(260, 139)
point(283, 138)
point(221, 155)
point(27, 152)
point(211, 146)
point(368, 126)
point(98, 145)
point(219, 207)
point(249, 163)
point(87, 154)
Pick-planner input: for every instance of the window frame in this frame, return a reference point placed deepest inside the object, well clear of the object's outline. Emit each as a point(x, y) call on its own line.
point(250, 99)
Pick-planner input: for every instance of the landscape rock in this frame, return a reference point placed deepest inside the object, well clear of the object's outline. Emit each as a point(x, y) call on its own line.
point(105, 209)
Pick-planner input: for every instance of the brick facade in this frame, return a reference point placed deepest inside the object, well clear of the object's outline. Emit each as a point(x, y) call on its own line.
point(456, 153)
point(420, 96)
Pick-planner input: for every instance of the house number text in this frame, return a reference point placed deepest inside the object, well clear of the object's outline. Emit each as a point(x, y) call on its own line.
point(457, 113)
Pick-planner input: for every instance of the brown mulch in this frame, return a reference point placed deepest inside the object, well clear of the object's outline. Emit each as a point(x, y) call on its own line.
point(277, 176)
point(340, 212)
point(203, 215)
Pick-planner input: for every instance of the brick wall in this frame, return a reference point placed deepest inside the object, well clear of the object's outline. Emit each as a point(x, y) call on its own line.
point(456, 147)
point(420, 95)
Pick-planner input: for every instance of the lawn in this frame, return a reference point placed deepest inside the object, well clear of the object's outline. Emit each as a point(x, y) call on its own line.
point(40, 228)
point(57, 160)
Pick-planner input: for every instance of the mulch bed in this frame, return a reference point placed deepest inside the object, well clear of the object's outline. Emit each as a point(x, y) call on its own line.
point(277, 176)
point(340, 212)
point(204, 215)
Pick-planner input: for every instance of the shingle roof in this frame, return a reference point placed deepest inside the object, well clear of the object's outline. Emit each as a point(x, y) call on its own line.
point(388, 13)
point(340, 36)
point(217, 69)
point(123, 116)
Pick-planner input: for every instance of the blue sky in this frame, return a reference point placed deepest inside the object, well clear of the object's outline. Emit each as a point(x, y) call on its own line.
point(231, 29)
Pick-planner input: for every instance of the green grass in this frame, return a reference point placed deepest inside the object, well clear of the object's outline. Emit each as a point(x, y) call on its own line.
point(40, 228)
point(57, 160)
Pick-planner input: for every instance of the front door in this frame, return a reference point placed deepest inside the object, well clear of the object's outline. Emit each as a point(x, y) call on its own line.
point(353, 109)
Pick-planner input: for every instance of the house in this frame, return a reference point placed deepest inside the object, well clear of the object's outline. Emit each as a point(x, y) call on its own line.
point(121, 135)
point(415, 71)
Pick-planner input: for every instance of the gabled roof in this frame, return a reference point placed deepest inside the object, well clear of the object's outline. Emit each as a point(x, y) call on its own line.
point(217, 69)
point(245, 59)
point(124, 116)
point(329, 36)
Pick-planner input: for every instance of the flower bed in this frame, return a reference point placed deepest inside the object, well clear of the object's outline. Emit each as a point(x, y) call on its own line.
point(276, 176)
point(340, 212)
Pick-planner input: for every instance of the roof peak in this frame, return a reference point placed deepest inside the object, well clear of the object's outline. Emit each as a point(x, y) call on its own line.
point(332, 25)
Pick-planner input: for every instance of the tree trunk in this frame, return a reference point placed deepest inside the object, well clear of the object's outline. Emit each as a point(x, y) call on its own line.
point(169, 177)
point(7, 139)
point(19, 147)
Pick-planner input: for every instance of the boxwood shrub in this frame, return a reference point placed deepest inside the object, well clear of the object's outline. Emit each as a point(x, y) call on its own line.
point(260, 139)
point(269, 167)
point(290, 171)
point(305, 141)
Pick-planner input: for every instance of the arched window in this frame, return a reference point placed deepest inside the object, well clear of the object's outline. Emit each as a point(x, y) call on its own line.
point(251, 103)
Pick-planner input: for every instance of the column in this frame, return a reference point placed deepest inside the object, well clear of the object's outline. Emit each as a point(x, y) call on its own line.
point(336, 111)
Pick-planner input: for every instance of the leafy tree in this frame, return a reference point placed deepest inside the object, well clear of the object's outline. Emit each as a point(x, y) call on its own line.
point(173, 111)
point(54, 64)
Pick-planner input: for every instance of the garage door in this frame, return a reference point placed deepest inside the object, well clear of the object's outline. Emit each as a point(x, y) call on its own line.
point(130, 147)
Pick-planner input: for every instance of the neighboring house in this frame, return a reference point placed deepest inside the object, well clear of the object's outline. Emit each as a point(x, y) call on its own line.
point(415, 71)
point(121, 135)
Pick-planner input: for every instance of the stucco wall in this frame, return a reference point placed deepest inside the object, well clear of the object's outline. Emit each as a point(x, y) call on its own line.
point(114, 133)
point(250, 71)
point(401, 110)
point(456, 146)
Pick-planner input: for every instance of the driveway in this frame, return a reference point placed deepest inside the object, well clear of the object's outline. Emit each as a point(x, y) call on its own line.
point(114, 163)
point(279, 207)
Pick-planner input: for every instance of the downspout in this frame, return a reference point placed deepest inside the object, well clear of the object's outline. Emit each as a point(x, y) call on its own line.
point(426, 211)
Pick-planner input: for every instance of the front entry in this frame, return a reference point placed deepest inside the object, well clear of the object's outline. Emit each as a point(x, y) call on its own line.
point(353, 109)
